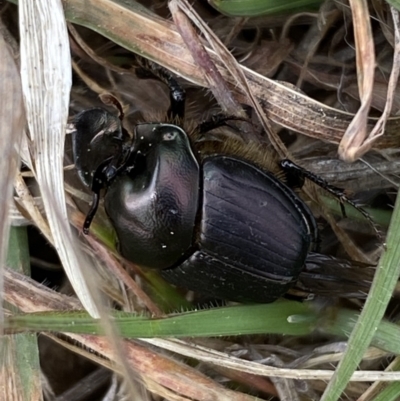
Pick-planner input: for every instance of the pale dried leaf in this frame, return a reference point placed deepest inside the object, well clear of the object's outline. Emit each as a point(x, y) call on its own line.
point(46, 78)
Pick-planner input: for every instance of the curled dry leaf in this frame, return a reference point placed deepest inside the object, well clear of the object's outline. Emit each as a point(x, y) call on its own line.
point(365, 57)
point(380, 126)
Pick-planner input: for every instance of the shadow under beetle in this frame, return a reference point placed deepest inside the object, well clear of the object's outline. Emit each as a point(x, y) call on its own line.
point(212, 221)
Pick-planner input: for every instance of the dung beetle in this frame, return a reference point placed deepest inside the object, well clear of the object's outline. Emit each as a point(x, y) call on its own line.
point(209, 219)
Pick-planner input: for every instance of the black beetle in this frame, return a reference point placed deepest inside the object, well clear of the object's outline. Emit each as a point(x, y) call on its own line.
point(211, 220)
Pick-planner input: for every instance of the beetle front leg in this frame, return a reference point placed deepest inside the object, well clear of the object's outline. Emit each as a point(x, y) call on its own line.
point(102, 178)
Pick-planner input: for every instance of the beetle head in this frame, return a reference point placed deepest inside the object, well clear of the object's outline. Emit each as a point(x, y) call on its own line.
point(98, 136)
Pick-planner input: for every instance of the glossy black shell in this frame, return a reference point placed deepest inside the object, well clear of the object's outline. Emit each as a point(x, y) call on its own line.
point(153, 207)
point(254, 234)
point(223, 228)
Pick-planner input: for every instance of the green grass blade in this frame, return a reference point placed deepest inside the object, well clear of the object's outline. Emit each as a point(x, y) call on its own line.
point(342, 322)
point(385, 280)
point(20, 351)
point(379, 216)
point(394, 3)
point(282, 317)
point(255, 8)
point(390, 393)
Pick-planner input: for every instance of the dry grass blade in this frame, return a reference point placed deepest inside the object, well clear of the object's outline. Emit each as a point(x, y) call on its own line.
point(26, 201)
point(170, 374)
point(365, 58)
point(46, 78)
point(221, 359)
point(217, 85)
point(36, 297)
point(377, 387)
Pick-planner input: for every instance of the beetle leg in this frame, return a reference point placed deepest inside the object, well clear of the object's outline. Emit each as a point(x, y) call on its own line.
point(177, 97)
point(102, 177)
point(296, 175)
point(177, 94)
point(216, 121)
point(93, 209)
